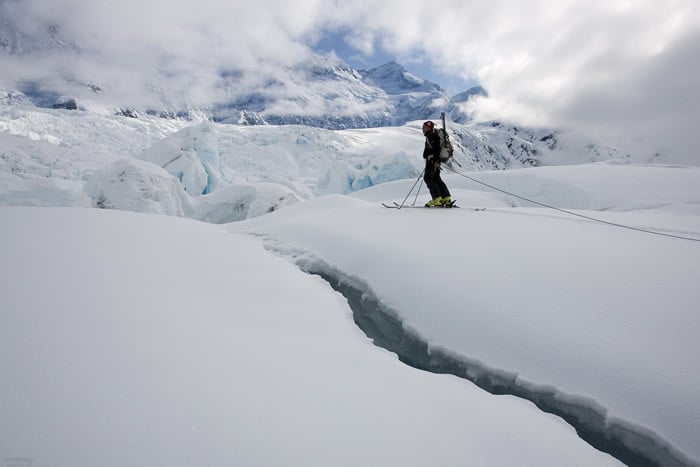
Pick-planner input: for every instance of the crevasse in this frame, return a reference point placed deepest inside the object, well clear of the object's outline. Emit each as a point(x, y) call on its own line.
point(632, 444)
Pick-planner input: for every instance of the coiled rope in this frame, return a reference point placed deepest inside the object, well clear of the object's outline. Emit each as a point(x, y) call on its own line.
point(614, 224)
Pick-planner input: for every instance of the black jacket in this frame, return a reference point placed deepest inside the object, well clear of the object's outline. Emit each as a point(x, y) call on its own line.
point(432, 146)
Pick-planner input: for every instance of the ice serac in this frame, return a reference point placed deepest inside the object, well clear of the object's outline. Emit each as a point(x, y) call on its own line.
point(192, 157)
point(134, 185)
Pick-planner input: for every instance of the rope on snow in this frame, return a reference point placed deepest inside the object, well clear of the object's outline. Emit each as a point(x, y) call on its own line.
point(614, 224)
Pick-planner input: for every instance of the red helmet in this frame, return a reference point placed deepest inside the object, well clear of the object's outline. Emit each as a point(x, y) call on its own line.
point(428, 127)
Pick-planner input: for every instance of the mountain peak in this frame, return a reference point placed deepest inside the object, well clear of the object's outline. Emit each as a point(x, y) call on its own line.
point(474, 91)
point(395, 79)
point(390, 65)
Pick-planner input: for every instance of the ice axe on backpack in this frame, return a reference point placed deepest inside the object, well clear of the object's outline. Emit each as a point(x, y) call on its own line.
point(446, 149)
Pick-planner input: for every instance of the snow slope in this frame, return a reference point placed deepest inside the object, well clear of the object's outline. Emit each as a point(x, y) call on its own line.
point(604, 317)
point(132, 339)
point(592, 321)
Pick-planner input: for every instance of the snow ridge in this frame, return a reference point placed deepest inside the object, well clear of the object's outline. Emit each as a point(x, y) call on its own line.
point(627, 442)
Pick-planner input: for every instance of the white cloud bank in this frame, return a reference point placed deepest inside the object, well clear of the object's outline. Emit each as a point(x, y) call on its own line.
point(622, 71)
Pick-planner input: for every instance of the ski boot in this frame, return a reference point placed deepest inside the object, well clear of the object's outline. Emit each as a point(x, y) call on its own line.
point(446, 202)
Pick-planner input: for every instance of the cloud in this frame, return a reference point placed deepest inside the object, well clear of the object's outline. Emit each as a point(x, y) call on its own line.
point(179, 48)
point(624, 71)
point(623, 75)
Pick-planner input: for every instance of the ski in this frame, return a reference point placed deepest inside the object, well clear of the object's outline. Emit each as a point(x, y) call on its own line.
point(451, 205)
point(396, 205)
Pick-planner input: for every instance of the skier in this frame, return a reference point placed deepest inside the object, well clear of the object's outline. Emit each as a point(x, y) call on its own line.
point(431, 153)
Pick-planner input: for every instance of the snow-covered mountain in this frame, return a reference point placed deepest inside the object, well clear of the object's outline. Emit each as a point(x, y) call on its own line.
point(322, 91)
point(21, 41)
point(327, 93)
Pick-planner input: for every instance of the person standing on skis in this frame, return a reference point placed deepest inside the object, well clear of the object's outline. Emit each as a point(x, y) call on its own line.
point(431, 153)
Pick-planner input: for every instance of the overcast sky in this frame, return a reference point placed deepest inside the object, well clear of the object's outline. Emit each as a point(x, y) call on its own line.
point(625, 71)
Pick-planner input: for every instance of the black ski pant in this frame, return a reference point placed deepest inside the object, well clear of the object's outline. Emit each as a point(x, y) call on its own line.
point(433, 180)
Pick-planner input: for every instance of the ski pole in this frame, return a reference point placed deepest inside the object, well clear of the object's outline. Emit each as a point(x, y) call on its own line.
point(420, 177)
point(418, 192)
